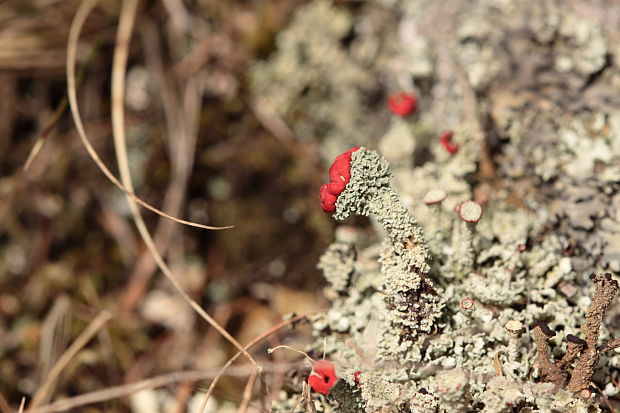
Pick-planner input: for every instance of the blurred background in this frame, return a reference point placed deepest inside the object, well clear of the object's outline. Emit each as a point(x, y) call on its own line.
point(200, 147)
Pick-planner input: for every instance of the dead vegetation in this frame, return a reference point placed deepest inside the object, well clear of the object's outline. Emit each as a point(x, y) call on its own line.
point(586, 351)
point(156, 94)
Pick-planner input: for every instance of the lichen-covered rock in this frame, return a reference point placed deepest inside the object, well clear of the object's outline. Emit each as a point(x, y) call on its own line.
point(528, 89)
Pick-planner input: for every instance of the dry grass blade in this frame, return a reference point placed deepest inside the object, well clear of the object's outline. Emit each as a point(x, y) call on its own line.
point(248, 346)
point(247, 392)
point(74, 32)
point(38, 145)
point(182, 113)
point(604, 397)
point(90, 331)
point(127, 18)
point(162, 380)
point(55, 335)
point(170, 378)
point(4, 405)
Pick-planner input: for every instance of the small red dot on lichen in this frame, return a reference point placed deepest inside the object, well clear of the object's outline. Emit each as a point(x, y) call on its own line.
point(467, 303)
point(446, 141)
point(402, 103)
point(356, 377)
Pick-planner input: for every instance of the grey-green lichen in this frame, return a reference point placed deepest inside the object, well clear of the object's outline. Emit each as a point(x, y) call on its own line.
point(544, 81)
point(454, 360)
point(337, 264)
point(412, 302)
point(326, 85)
point(370, 180)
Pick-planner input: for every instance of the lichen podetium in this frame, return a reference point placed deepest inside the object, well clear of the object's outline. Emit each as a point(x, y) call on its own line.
point(411, 300)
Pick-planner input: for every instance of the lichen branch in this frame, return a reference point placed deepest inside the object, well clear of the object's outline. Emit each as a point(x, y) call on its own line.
point(586, 351)
point(411, 300)
point(549, 371)
point(573, 348)
point(605, 291)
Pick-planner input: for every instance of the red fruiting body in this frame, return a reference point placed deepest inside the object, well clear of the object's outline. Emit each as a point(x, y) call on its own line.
point(339, 176)
point(446, 141)
point(323, 376)
point(356, 377)
point(402, 103)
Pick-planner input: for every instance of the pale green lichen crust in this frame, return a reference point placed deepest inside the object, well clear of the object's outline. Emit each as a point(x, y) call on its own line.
point(337, 264)
point(544, 78)
point(370, 177)
point(449, 359)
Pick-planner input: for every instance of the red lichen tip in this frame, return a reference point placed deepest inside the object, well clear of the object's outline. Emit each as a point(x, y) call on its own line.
point(470, 211)
point(339, 177)
point(467, 303)
point(323, 376)
point(434, 196)
point(356, 377)
point(402, 103)
point(446, 141)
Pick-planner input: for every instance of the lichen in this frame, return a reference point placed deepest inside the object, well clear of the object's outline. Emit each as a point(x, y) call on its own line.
point(526, 89)
point(328, 85)
point(337, 264)
point(411, 300)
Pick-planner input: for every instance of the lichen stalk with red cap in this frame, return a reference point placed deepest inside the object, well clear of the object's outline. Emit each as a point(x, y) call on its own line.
point(411, 300)
point(445, 139)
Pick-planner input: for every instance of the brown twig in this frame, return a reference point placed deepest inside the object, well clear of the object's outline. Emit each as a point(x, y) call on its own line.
point(609, 345)
point(230, 361)
point(587, 352)
point(573, 348)
point(150, 383)
point(549, 371)
point(605, 291)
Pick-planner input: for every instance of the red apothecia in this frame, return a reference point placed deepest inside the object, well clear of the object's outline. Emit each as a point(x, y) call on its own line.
point(339, 176)
point(402, 103)
point(446, 141)
point(323, 376)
